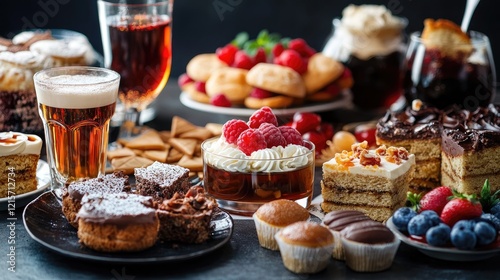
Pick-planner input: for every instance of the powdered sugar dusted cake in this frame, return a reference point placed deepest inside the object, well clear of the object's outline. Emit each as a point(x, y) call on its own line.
point(161, 180)
point(374, 182)
point(74, 192)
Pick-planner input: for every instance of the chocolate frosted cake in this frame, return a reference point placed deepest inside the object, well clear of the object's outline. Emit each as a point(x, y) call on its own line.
point(161, 180)
point(418, 129)
point(117, 222)
point(471, 149)
point(74, 192)
point(186, 218)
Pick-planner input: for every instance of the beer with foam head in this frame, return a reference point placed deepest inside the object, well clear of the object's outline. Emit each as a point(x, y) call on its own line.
point(76, 105)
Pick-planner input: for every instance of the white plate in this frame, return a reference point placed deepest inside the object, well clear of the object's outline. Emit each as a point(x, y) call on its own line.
point(344, 101)
point(43, 178)
point(448, 254)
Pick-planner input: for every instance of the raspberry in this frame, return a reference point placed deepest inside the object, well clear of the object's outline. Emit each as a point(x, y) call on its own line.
point(260, 93)
point(242, 60)
point(277, 49)
point(298, 45)
point(260, 56)
point(291, 135)
point(200, 86)
point(308, 52)
point(250, 141)
point(333, 89)
point(263, 115)
point(184, 79)
point(272, 134)
point(220, 100)
point(226, 53)
point(292, 59)
point(232, 129)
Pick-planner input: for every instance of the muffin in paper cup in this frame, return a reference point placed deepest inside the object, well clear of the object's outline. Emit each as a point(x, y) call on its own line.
point(275, 215)
point(369, 246)
point(305, 247)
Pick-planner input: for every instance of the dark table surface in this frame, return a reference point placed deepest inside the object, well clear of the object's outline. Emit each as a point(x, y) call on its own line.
point(240, 258)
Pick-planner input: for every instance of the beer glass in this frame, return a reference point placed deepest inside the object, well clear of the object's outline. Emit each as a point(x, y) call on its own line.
point(136, 38)
point(76, 104)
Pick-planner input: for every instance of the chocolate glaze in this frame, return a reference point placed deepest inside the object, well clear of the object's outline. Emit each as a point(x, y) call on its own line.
point(110, 183)
point(467, 131)
point(402, 125)
point(339, 219)
point(119, 209)
point(369, 232)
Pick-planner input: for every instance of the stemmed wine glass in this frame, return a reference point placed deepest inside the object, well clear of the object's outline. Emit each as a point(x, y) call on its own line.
point(136, 36)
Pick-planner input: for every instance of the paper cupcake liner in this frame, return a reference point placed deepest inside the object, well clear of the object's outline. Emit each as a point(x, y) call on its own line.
point(300, 259)
point(369, 257)
point(265, 233)
point(338, 249)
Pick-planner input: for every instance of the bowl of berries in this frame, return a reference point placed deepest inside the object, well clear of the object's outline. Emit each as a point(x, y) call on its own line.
point(257, 161)
point(448, 225)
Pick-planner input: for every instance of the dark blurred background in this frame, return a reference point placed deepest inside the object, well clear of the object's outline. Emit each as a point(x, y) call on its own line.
point(203, 25)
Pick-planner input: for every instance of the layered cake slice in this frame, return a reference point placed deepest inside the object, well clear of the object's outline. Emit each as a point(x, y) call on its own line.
point(162, 180)
point(19, 154)
point(74, 192)
point(417, 129)
point(471, 149)
point(374, 182)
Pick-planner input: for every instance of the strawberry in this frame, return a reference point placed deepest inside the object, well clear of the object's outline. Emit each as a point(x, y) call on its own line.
point(461, 207)
point(260, 56)
point(306, 121)
point(226, 53)
point(436, 199)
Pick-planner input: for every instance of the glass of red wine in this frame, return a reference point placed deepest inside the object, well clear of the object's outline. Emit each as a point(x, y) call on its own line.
point(136, 36)
point(458, 75)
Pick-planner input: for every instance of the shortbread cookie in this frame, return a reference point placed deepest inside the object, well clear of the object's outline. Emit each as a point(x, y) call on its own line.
point(200, 67)
point(277, 79)
point(231, 82)
point(321, 70)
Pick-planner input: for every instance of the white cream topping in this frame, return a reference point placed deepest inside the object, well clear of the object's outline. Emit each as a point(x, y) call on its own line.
point(14, 143)
point(386, 169)
point(365, 31)
point(228, 157)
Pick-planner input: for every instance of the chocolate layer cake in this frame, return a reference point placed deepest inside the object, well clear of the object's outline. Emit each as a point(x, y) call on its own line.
point(471, 149)
point(161, 180)
point(186, 218)
point(74, 192)
point(418, 129)
point(374, 182)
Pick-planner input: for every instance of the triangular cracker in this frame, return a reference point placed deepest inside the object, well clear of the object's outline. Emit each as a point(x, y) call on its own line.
point(165, 135)
point(199, 133)
point(149, 140)
point(180, 125)
point(120, 152)
point(193, 164)
point(174, 156)
point(186, 146)
point(156, 155)
point(215, 128)
point(127, 164)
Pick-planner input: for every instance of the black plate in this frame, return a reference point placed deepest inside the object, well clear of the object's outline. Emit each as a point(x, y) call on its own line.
point(45, 223)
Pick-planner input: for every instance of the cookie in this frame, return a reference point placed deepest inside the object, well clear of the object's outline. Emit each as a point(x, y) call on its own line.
point(231, 82)
point(276, 78)
point(321, 71)
point(278, 101)
point(202, 66)
point(446, 36)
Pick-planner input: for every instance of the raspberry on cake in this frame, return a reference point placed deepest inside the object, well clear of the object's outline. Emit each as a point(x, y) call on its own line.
point(418, 129)
point(117, 222)
point(186, 218)
point(19, 154)
point(374, 182)
point(161, 180)
point(74, 192)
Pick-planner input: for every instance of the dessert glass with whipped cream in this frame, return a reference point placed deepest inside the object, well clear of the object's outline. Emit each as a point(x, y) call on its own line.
point(241, 183)
point(369, 40)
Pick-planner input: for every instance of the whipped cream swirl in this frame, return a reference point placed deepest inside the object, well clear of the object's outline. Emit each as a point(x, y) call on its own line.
point(14, 143)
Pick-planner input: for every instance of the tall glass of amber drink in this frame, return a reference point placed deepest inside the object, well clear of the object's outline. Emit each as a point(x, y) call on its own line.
point(76, 105)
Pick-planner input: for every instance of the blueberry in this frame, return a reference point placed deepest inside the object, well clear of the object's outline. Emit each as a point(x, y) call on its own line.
point(495, 210)
point(465, 224)
point(433, 216)
point(490, 218)
point(402, 216)
point(419, 225)
point(485, 233)
point(463, 239)
point(438, 235)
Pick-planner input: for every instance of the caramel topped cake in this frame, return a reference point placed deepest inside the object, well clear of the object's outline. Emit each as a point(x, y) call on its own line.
point(74, 192)
point(374, 182)
point(186, 218)
point(471, 149)
point(19, 154)
point(417, 129)
point(117, 222)
point(161, 180)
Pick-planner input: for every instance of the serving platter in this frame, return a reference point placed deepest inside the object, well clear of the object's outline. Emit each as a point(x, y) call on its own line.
point(43, 179)
point(46, 224)
point(343, 101)
point(447, 253)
